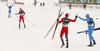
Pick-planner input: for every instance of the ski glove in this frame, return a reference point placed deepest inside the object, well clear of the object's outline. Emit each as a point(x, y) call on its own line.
point(76, 18)
point(57, 20)
point(86, 32)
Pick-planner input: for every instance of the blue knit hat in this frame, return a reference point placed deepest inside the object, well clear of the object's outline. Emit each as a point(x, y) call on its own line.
point(87, 15)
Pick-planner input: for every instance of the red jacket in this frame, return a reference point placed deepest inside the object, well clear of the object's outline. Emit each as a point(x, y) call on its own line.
point(23, 12)
point(69, 19)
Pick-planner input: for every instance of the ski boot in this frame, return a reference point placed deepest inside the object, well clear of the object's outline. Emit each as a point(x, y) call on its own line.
point(24, 26)
point(90, 44)
point(94, 42)
point(19, 26)
point(67, 45)
point(9, 16)
point(62, 44)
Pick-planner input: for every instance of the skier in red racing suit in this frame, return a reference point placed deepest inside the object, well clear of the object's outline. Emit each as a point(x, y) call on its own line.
point(21, 17)
point(65, 22)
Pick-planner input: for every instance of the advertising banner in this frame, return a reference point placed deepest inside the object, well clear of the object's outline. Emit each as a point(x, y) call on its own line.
point(80, 1)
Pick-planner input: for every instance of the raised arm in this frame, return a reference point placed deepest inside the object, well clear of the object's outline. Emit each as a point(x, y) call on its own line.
point(12, 5)
point(7, 5)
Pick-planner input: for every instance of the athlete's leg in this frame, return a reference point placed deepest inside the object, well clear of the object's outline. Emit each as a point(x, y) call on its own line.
point(66, 36)
point(19, 22)
point(23, 22)
point(61, 34)
point(9, 14)
point(90, 35)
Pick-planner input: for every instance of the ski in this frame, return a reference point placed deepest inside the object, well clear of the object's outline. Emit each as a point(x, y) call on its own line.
point(50, 30)
point(87, 30)
point(52, 26)
point(56, 23)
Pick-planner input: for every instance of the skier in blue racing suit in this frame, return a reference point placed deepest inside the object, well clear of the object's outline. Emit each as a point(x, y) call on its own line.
point(9, 13)
point(91, 26)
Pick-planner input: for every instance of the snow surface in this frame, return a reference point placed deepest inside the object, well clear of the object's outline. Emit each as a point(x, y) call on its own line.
point(32, 38)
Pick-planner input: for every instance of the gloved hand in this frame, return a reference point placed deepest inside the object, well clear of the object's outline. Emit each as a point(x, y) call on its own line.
point(86, 32)
point(57, 20)
point(76, 17)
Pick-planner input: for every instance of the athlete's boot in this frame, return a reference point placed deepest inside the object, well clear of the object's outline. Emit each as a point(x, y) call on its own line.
point(24, 26)
point(90, 44)
point(19, 26)
point(94, 42)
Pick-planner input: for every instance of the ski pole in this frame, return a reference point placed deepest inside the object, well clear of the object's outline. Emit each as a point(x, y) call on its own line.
point(16, 16)
point(30, 22)
point(50, 29)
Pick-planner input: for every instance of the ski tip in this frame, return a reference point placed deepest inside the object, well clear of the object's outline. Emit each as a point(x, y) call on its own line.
point(44, 37)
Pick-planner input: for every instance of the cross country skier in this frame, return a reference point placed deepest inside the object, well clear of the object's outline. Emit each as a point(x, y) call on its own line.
point(70, 6)
point(65, 22)
point(91, 26)
point(84, 5)
point(9, 12)
point(41, 4)
point(35, 2)
point(21, 13)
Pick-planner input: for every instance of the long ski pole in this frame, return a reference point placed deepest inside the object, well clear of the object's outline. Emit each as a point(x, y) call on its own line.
point(56, 23)
point(29, 21)
point(16, 16)
point(50, 29)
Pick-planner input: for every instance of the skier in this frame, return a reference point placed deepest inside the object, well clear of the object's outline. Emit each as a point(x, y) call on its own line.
point(21, 13)
point(84, 6)
point(9, 12)
point(34, 4)
point(35, 1)
point(70, 6)
point(43, 4)
point(65, 22)
point(91, 26)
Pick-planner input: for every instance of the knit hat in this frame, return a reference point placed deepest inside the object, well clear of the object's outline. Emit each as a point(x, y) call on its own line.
point(67, 14)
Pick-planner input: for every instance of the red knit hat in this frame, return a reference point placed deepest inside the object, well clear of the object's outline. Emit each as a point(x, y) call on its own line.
point(67, 14)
